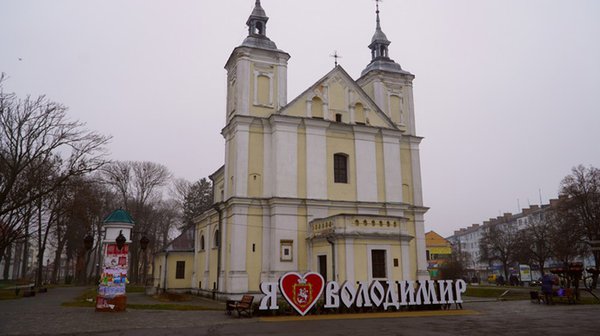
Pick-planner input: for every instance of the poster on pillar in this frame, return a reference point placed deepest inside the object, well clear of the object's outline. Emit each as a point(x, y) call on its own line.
point(113, 279)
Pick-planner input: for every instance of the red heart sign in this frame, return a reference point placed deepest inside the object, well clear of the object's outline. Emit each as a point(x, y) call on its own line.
point(301, 292)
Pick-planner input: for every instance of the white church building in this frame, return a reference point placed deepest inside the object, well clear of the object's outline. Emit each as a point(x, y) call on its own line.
point(328, 182)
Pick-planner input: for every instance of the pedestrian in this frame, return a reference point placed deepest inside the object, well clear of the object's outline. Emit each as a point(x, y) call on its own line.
point(547, 283)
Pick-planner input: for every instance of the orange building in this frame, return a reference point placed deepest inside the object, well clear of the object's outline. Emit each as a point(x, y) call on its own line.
point(438, 250)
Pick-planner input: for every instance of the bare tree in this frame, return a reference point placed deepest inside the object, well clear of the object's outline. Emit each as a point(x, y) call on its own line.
point(565, 237)
point(139, 185)
point(499, 243)
point(581, 192)
point(179, 190)
point(456, 266)
point(118, 175)
point(534, 242)
point(40, 150)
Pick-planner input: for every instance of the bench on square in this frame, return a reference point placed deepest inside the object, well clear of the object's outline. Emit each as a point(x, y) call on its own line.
point(566, 295)
point(242, 306)
point(24, 285)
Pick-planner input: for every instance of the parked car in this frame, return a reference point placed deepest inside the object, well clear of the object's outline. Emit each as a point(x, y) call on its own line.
point(535, 283)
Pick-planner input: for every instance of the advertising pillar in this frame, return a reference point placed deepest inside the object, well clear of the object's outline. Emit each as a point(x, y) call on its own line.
point(112, 296)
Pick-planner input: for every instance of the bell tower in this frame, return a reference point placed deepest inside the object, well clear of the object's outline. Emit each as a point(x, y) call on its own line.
point(256, 72)
point(387, 83)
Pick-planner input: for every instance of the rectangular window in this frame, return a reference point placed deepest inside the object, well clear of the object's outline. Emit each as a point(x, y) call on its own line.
point(340, 168)
point(180, 270)
point(378, 263)
point(323, 266)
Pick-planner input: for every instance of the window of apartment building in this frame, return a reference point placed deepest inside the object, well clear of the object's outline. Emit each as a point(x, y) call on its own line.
point(180, 270)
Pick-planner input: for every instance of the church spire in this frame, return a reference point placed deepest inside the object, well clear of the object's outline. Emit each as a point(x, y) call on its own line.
point(380, 57)
point(379, 42)
point(257, 29)
point(257, 22)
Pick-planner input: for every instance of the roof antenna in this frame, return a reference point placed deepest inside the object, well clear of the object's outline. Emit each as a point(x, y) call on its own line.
point(336, 56)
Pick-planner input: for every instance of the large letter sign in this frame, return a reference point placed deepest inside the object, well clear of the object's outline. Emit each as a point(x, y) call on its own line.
point(303, 291)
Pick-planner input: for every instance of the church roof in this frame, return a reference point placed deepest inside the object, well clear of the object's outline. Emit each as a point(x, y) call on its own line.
point(257, 32)
point(183, 243)
point(259, 42)
point(258, 11)
point(379, 36)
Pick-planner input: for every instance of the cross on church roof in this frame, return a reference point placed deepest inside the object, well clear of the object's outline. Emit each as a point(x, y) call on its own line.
point(335, 56)
point(377, 11)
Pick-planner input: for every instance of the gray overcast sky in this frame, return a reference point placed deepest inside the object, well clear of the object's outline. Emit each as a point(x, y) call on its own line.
point(506, 92)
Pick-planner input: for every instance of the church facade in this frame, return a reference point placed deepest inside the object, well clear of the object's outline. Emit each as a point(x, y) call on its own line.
point(328, 182)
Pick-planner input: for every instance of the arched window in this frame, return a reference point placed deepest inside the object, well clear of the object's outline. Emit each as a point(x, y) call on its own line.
point(340, 168)
point(202, 243)
point(217, 240)
point(259, 28)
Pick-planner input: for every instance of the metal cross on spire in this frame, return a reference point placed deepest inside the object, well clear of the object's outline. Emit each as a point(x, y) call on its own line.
point(335, 56)
point(377, 11)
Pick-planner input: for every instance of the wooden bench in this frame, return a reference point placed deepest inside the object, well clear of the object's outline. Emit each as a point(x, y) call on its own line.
point(242, 306)
point(568, 296)
point(27, 286)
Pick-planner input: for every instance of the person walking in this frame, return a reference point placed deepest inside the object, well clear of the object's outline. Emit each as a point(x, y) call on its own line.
point(547, 283)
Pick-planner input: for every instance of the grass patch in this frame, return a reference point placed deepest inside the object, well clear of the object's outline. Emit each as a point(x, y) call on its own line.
point(87, 299)
point(136, 289)
point(587, 300)
point(6, 283)
point(8, 294)
point(496, 292)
